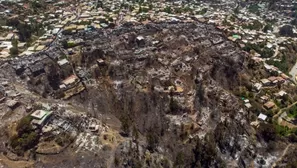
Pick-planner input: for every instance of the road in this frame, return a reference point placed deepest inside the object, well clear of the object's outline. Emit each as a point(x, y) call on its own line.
point(293, 72)
point(276, 51)
point(281, 110)
point(282, 156)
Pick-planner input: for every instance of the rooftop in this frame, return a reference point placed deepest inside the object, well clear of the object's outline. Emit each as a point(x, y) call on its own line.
point(39, 114)
point(71, 79)
point(63, 62)
point(262, 117)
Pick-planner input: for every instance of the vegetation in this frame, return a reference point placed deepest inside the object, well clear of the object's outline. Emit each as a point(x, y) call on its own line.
point(205, 154)
point(261, 49)
point(179, 160)
point(286, 30)
point(26, 137)
point(294, 22)
point(64, 139)
point(152, 140)
point(281, 65)
point(267, 27)
point(25, 31)
point(143, 10)
point(271, 132)
point(68, 44)
point(255, 25)
point(203, 11)
point(126, 124)
point(168, 9)
point(291, 159)
point(292, 112)
point(173, 105)
point(14, 50)
point(254, 9)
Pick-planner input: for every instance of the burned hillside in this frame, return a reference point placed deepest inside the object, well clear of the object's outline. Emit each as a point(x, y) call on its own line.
point(170, 85)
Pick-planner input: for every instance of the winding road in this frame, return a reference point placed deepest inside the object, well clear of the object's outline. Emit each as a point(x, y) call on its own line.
point(282, 156)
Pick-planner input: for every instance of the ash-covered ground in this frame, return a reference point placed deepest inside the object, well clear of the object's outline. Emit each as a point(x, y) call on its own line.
point(169, 84)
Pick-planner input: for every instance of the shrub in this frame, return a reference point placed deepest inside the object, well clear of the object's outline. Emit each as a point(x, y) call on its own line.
point(14, 51)
point(286, 30)
point(26, 137)
point(152, 140)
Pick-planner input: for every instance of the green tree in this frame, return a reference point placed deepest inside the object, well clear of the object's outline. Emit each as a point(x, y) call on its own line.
point(152, 140)
point(168, 9)
point(14, 50)
point(180, 159)
point(126, 123)
point(267, 27)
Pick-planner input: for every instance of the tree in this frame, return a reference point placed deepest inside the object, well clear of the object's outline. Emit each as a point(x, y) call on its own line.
point(267, 132)
point(286, 30)
point(24, 31)
point(152, 140)
point(24, 125)
point(26, 137)
point(14, 49)
point(99, 4)
point(135, 133)
point(173, 105)
point(200, 93)
point(267, 27)
point(125, 125)
point(180, 159)
point(168, 9)
point(294, 22)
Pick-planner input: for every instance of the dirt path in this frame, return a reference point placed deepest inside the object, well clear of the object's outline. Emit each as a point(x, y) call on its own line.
point(293, 72)
point(283, 122)
point(281, 110)
point(276, 51)
point(282, 156)
point(15, 164)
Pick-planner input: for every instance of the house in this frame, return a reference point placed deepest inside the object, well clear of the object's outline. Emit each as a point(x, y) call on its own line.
point(265, 82)
point(280, 93)
point(4, 54)
point(40, 117)
point(9, 36)
point(101, 62)
point(80, 27)
point(93, 127)
point(267, 67)
point(273, 79)
point(264, 99)
point(5, 44)
point(140, 40)
point(257, 60)
point(284, 76)
point(63, 62)
point(2, 94)
point(246, 100)
point(269, 105)
point(258, 86)
point(37, 69)
point(40, 47)
point(262, 117)
point(31, 48)
point(12, 104)
point(280, 79)
point(248, 105)
point(21, 45)
point(70, 80)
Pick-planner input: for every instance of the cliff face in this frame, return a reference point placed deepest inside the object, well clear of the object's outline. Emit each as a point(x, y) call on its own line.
point(170, 83)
